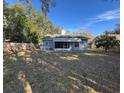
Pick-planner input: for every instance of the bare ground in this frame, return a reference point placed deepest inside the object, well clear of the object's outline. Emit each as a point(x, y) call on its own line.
point(91, 71)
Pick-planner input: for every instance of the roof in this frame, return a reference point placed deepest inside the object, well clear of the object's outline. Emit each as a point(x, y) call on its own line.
point(64, 36)
point(117, 36)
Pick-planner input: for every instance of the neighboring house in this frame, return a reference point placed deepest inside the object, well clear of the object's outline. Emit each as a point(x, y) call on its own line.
point(64, 43)
point(115, 36)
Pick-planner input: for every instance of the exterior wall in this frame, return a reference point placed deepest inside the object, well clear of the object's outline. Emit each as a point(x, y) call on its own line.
point(83, 44)
point(68, 46)
point(116, 36)
point(47, 44)
point(62, 49)
point(50, 44)
point(67, 39)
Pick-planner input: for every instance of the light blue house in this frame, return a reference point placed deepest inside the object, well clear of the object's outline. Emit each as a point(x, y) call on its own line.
point(64, 43)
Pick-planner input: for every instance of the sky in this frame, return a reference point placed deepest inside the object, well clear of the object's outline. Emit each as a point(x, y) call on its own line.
point(93, 16)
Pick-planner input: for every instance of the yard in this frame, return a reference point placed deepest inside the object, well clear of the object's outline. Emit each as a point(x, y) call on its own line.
point(91, 71)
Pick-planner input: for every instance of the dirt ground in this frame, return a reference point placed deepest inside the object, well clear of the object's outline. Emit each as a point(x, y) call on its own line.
point(91, 71)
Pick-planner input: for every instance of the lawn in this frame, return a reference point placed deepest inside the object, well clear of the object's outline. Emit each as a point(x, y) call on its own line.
point(91, 71)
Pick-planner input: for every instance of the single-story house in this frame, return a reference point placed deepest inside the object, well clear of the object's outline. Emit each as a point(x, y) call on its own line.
point(114, 36)
point(64, 43)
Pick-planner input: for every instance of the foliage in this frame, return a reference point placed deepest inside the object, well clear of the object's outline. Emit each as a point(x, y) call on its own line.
point(27, 26)
point(16, 18)
point(106, 42)
point(45, 5)
point(115, 31)
point(108, 39)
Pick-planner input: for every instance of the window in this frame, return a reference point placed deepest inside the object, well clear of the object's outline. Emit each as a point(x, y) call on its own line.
point(76, 44)
point(61, 44)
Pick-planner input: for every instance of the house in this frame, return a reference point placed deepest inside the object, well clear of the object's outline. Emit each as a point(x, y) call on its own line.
point(64, 43)
point(115, 36)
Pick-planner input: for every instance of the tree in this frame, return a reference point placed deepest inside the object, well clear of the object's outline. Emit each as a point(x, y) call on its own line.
point(107, 32)
point(19, 26)
point(25, 26)
point(45, 5)
point(16, 18)
point(106, 42)
point(57, 30)
point(5, 10)
point(117, 29)
point(43, 23)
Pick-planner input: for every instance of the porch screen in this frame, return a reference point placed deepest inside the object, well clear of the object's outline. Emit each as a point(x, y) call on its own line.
point(61, 44)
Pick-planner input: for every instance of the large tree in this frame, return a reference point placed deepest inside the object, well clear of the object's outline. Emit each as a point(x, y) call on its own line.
point(106, 42)
point(27, 26)
point(45, 5)
point(20, 28)
point(16, 19)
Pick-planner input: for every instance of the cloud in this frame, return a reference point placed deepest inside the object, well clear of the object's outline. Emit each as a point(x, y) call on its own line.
point(106, 16)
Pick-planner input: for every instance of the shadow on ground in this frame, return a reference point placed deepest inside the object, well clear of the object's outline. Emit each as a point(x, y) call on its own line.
point(61, 72)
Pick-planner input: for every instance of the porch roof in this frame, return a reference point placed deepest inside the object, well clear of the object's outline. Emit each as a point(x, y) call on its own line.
point(66, 39)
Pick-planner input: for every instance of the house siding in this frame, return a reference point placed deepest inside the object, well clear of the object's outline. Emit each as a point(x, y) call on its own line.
point(49, 44)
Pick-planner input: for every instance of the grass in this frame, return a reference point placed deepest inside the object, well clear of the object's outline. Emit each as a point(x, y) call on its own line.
point(91, 71)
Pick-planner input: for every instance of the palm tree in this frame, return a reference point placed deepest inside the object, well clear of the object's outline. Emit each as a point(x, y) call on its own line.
point(45, 5)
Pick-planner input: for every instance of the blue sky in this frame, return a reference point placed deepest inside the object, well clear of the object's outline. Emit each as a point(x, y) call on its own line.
point(94, 16)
